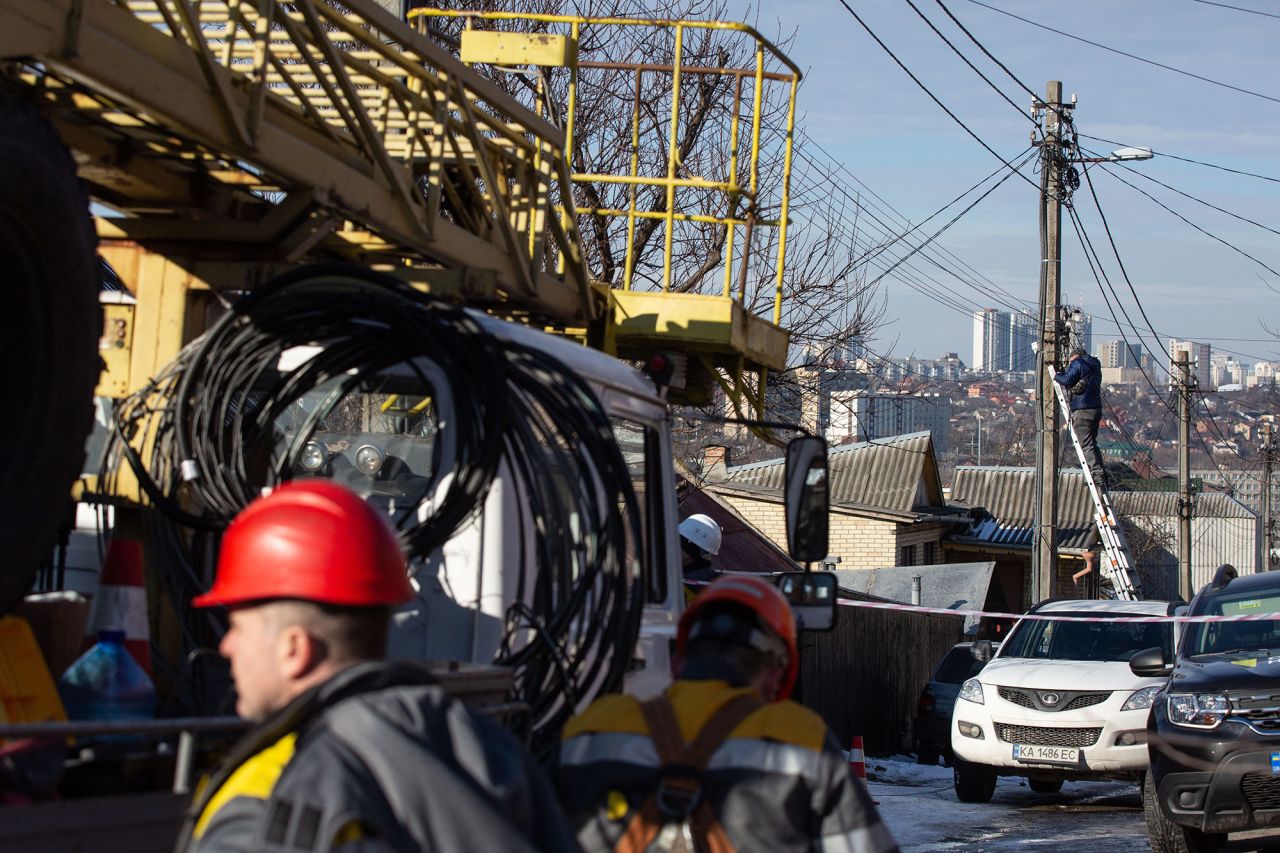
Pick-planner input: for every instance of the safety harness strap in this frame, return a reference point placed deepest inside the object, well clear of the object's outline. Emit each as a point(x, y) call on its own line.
point(679, 793)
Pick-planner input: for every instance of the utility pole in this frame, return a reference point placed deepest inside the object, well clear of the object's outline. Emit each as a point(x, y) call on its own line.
point(1186, 501)
point(1045, 556)
point(1268, 522)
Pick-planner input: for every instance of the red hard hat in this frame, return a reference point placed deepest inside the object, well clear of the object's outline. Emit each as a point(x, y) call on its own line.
point(761, 598)
point(313, 540)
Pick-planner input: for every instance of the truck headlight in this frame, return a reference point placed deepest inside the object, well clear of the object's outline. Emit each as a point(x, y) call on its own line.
point(1197, 710)
point(1140, 699)
point(971, 691)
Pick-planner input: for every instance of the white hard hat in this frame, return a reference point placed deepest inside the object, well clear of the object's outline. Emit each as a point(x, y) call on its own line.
point(702, 531)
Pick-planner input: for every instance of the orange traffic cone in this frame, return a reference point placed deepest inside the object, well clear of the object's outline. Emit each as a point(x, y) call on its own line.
point(121, 600)
point(858, 762)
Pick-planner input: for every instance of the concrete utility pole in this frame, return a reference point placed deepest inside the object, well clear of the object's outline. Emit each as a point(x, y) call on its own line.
point(1045, 555)
point(1268, 521)
point(1186, 501)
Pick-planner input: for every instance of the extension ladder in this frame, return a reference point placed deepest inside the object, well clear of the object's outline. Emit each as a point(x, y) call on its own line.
point(1117, 565)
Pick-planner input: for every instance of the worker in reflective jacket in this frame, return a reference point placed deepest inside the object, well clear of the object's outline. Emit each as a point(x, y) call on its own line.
point(350, 750)
point(722, 760)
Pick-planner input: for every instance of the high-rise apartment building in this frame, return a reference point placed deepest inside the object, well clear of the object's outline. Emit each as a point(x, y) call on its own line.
point(990, 340)
point(1201, 358)
point(1022, 337)
point(866, 416)
point(1120, 354)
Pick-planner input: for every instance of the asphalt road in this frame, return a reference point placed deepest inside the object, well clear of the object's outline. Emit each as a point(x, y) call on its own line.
point(1098, 817)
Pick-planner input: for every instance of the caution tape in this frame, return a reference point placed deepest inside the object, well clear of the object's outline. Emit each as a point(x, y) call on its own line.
point(1043, 617)
point(1050, 617)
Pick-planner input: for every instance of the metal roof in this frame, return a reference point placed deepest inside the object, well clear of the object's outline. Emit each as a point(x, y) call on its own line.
point(1208, 504)
point(897, 473)
point(1140, 608)
point(1005, 497)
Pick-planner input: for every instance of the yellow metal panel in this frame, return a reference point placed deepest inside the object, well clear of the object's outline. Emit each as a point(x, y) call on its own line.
point(498, 48)
point(695, 323)
point(115, 348)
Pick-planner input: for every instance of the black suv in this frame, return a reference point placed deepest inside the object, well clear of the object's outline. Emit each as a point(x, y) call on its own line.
point(1214, 730)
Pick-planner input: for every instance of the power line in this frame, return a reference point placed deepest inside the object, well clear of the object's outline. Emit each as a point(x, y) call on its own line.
point(953, 221)
point(1191, 160)
point(1087, 246)
point(937, 212)
point(988, 53)
point(895, 213)
point(1203, 231)
point(928, 92)
point(1127, 54)
point(1196, 199)
point(891, 230)
point(1019, 110)
point(1236, 8)
point(1116, 251)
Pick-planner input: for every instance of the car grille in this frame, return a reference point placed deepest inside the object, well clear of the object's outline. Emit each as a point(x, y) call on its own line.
point(1261, 791)
point(1076, 701)
point(1262, 710)
point(1044, 736)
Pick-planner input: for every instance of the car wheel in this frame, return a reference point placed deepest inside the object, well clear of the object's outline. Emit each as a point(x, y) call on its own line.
point(52, 326)
point(1166, 836)
point(974, 783)
point(1046, 786)
point(926, 755)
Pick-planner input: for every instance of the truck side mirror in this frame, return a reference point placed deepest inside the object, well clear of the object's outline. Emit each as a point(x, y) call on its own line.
point(981, 651)
point(1149, 663)
point(812, 596)
point(805, 499)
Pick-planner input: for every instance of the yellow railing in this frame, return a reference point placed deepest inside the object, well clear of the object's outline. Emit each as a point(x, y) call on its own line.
point(745, 205)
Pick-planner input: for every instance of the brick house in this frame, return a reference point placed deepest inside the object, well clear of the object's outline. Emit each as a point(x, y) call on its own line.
point(886, 501)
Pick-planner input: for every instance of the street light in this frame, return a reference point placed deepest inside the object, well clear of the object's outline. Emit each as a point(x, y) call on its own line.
point(1120, 155)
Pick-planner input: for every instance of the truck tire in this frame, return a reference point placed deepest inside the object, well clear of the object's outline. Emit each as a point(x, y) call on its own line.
point(974, 783)
point(48, 339)
point(1166, 836)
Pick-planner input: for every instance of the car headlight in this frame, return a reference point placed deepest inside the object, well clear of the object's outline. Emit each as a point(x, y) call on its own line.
point(369, 459)
point(313, 456)
point(971, 691)
point(1197, 710)
point(1140, 699)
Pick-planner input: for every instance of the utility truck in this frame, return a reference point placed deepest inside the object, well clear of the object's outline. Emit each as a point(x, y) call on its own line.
point(286, 189)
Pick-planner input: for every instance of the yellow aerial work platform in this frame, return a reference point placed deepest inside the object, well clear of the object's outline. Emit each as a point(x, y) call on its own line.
point(731, 330)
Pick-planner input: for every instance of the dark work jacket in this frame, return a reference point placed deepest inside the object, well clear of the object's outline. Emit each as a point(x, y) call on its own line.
point(779, 783)
point(1088, 369)
point(381, 758)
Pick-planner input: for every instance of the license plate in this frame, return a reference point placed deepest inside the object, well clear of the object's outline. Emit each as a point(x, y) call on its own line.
point(1050, 754)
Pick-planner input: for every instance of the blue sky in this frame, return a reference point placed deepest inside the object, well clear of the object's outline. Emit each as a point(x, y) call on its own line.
point(859, 106)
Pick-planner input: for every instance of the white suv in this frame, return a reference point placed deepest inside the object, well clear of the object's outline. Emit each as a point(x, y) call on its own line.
point(1059, 701)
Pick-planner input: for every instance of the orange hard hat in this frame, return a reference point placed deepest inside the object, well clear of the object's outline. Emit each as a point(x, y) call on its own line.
point(312, 540)
point(763, 599)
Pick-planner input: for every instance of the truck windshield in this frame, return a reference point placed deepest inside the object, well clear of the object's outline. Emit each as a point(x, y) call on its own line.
point(1208, 638)
point(1075, 638)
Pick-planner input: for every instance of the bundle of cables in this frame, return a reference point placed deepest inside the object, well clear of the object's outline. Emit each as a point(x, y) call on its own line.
point(209, 424)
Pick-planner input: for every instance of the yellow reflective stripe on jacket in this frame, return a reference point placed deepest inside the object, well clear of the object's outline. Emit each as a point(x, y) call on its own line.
point(694, 703)
point(255, 778)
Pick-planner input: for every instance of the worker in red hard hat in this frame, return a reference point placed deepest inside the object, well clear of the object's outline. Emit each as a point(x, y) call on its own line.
point(350, 749)
point(723, 759)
